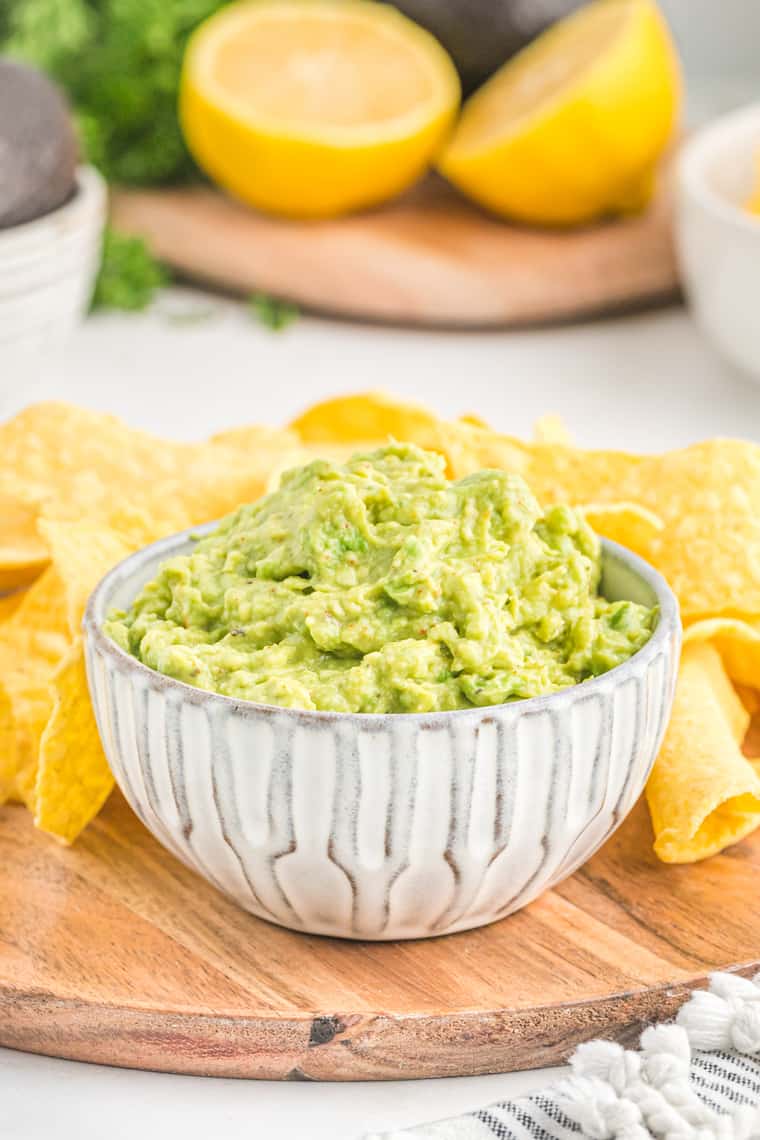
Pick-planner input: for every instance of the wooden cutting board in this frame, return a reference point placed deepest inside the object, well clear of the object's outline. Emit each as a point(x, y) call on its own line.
point(112, 951)
point(430, 258)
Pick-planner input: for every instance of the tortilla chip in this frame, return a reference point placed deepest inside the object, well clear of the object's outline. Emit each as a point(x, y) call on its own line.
point(732, 707)
point(738, 643)
point(551, 429)
point(33, 641)
point(750, 698)
point(474, 420)
point(630, 525)
point(9, 603)
point(74, 780)
point(83, 552)
point(370, 415)
point(71, 458)
point(703, 794)
point(23, 556)
point(751, 744)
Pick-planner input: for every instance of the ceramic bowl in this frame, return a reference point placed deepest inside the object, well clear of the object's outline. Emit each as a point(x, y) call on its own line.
point(718, 240)
point(380, 827)
point(47, 273)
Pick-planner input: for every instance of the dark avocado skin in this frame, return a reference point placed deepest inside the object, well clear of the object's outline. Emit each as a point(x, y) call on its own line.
point(38, 145)
point(480, 35)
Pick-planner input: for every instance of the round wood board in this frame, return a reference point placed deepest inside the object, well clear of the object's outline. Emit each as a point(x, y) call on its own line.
point(430, 258)
point(112, 951)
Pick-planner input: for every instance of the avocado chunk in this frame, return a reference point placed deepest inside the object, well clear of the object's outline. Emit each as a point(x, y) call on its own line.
point(38, 145)
point(481, 35)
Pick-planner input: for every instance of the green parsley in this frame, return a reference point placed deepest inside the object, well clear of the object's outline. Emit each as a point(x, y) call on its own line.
point(129, 275)
point(273, 313)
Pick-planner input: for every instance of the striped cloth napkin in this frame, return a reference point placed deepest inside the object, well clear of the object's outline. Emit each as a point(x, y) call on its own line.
point(695, 1079)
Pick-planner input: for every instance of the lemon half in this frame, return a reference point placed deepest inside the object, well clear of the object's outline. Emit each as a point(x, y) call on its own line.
point(311, 108)
point(572, 127)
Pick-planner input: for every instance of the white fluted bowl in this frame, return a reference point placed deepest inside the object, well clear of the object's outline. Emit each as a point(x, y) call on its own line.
point(380, 827)
point(717, 238)
point(48, 269)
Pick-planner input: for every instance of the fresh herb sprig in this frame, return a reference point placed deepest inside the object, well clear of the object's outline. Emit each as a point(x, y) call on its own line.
point(129, 274)
point(272, 312)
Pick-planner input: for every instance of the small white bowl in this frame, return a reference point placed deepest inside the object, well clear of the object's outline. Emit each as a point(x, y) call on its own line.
point(718, 240)
point(47, 273)
point(380, 827)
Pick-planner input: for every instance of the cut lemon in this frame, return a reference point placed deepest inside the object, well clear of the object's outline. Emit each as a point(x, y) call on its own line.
point(572, 127)
point(753, 202)
point(311, 108)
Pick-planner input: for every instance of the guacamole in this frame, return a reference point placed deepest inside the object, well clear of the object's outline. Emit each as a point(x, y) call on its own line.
point(382, 587)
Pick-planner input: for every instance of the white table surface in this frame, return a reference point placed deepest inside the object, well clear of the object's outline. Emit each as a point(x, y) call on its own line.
point(646, 382)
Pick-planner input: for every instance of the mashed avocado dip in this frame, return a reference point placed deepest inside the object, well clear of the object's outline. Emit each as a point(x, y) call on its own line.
point(381, 587)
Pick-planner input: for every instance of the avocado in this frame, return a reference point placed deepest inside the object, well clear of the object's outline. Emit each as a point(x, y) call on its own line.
point(480, 35)
point(38, 145)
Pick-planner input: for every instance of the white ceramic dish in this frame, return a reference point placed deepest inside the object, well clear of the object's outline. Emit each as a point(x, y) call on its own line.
point(379, 827)
point(718, 240)
point(47, 272)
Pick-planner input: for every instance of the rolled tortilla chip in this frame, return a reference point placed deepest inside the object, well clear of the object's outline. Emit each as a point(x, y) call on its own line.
point(703, 794)
point(737, 641)
point(750, 698)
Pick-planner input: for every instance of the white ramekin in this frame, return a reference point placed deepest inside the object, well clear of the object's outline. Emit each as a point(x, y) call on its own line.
point(379, 827)
point(47, 272)
point(718, 240)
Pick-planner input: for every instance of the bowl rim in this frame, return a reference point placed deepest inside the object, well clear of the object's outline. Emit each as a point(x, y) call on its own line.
point(669, 622)
point(726, 130)
point(85, 205)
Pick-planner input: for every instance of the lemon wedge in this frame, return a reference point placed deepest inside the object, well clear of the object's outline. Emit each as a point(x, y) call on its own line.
point(572, 127)
point(311, 108)
point(753, 202)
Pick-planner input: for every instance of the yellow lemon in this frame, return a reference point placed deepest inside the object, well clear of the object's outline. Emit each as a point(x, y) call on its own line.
point(753, 202)
point(311, 108)
point(573, 126)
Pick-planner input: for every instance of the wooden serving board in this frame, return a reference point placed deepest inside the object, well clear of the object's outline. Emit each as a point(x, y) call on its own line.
point(112, 951)
point(430, 258)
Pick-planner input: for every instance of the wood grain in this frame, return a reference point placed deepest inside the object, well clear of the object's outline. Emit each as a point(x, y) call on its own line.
point(430, 258)
point(112, 951)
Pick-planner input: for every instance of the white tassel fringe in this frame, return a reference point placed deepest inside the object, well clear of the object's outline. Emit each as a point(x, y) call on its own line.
point(616, 1094)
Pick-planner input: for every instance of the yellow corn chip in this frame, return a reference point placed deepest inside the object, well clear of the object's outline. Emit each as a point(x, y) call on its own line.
point(731, 704)
point(738, 643)
point(369, 419)
point(750, 698)
point(32, 642)
point(368, 416)
point(74, 780)
point(22, 552)
point(703, 793)
point(54, 453)
point(551, 428)
point(9, 603)
point(627, 523)
point(474, 420)
point(82, 552)
point(751, 742)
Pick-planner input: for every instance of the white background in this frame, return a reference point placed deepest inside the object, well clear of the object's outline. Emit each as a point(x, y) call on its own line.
point(645, 382)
